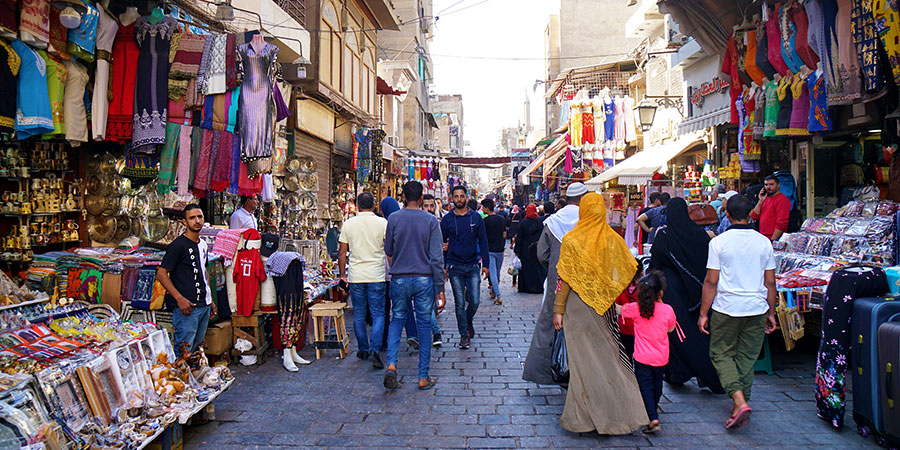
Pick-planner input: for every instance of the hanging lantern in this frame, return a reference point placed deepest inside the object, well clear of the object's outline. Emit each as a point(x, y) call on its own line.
point(646, 110)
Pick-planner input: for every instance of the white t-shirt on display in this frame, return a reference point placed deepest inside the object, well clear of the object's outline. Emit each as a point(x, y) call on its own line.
point(741, 256)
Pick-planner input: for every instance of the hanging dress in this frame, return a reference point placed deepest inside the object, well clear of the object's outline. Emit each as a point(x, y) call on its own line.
point(773, 36)
point(847, 86)
point(799, 107)
point(630, 127)
point(120, 120)
point(801, 40)
point(9, 69)
point(257, 107)
point(151, 86)
point(788, 39)
point(786, 99)
point(33, 113)
point(772, 107)
point(34, 22)
point(106, 36)
point(756, 74)
point(762, 51)
point(759, 113)
point(887, 25)
point(73, 103)
point(56, 86)
point(819, 119)
point(83, 39)
point(865, 38)
point(816, 32)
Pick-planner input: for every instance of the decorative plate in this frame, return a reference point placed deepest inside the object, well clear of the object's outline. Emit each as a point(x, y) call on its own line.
point(293, 164)
point(308, 200)
point(102, 229)
point(291, 182)
point(308, 165)
point(278, 182)
point(309, 182)
point(95, 204)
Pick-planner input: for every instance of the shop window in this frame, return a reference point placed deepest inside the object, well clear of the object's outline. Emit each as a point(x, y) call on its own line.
point(329, 47)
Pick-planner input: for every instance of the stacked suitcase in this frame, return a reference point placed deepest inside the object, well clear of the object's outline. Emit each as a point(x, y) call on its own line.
point(875, 358)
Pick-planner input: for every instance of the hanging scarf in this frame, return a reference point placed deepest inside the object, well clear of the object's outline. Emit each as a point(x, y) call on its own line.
point(682, 246)
point(196, 144)
point(594, 259)
point(222, 170)
point(140, 167)
point(235, 164)
point(232, 73)
point(281, 109)
point(188, 56)
point(184, 160)
point(201, 175)
point(166, 179)
point(247, 185)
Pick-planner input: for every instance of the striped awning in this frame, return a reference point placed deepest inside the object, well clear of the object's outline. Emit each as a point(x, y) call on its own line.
point(704, 121)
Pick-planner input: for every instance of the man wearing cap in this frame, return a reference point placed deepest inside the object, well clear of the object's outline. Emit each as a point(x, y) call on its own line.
point(537, 363)
point(725, 222)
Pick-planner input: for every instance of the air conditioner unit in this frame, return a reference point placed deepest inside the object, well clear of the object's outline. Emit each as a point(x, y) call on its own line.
point(392, 140)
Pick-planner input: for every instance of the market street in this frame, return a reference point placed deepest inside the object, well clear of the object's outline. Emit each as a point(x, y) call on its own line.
point(480, 401)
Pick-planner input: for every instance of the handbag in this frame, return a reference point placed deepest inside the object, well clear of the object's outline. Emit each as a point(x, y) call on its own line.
point(559, 360)
point(703, 214)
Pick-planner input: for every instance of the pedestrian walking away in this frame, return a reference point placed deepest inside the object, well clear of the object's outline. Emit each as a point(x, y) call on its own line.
point(532, 274)
point(595, 266)
point(740, 289)
point(652, 321)
point(495, 227)
point(363, 238)
point(537, 362)
point(413, 244)
point(465, 241)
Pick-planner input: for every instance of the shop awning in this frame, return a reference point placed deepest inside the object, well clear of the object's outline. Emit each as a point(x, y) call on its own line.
point(637, 169)
point(551, 149)
point(705, 121)
point(383, 88)
point(477, 162)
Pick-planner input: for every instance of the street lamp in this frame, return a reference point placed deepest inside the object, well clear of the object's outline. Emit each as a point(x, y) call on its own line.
point(646, 112)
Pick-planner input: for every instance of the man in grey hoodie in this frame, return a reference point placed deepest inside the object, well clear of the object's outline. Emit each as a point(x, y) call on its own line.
point(413, 243)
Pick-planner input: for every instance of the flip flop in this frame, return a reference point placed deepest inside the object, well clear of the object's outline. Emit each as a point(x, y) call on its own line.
point(431, 383)
point(390, 380)
point(740, 419)
point(648, 429)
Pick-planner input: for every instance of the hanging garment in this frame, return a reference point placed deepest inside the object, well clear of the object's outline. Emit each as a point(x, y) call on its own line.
point(107, 29)
point(773, 36)
point(575, 124)
point(289, 294)
point(799, 107)
point(59, 37)
point(834, 349)
point(847, 86)
point(619, 132)
point(587, 130)
point(247, 185)
point(221, 173)
point(183, 168)
point(751, 146)
point(801, 40)
point(83, 39)
point(866, 38)
point(599, 121)
point(816, 32)
point(214, 82)
point(819, 119)
point(73, 104)
point(232, 75)
point(188, 54)
point(34, 22)
point(120, 120)
point(741, 48)
point(887, 25)
point(233, 186)
point(56, 86)
point(788, 39)
point(762, 52)
point(9, 19)
point(609, 125)
point(630, 127)
point(759, 113)
point(168, 159)
point(742, 123)
point(10, 63)
point(257, 106)
point(248, 274)
point(786, 100)
point(33, 113)
point(730, 67)
point(756, 74)
point(151, 87)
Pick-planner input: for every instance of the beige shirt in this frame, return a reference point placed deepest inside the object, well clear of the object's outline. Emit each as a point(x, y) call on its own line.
point(364, 234)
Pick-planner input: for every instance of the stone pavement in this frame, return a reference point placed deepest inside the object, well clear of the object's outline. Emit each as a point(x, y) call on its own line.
point(481, 401)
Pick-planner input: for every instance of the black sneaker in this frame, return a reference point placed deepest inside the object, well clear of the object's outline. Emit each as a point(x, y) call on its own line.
point(362, 355)
point(471, 330)
point(436, 340)
point(376, 360)
point(464, 343)
point(413, 342)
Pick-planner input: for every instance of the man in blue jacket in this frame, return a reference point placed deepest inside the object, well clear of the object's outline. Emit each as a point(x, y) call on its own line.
point(465, 241)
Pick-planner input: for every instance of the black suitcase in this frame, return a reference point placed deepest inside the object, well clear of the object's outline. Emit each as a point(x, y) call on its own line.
point(889, 378)
point(868, 315)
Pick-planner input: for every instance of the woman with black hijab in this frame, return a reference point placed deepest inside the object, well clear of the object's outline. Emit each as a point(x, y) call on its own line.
point(680, 251)
point(532, 273)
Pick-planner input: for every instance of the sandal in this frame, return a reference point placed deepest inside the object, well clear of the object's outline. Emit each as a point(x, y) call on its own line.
point(739, 419)
point(498, 301)
point(429, 385)
point(650, 429)
point(390, 380)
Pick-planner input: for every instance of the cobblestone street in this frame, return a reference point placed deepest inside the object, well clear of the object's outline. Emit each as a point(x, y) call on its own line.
point(481, 401)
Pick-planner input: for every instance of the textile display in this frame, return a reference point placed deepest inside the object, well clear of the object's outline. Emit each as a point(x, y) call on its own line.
point(291, 308)
point(151, 87)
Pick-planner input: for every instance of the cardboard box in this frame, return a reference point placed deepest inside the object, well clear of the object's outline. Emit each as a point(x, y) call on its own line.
point(219, 338)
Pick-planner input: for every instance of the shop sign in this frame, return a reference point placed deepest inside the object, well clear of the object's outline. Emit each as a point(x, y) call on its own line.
point(520, 155)
point(635, 197)
point(717, 85)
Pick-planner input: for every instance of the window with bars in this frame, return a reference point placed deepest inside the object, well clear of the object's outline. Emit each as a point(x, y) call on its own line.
point(295, 8)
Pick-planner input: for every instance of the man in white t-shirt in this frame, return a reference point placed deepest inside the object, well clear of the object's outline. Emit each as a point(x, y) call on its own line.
point(740, 288)
point(363, 237)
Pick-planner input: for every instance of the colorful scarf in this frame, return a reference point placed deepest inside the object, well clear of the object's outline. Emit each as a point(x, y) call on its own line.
point(232, 75)
point(196, 144)
point(247, 185)
point(222, 169)
point(166, 179)
point(235, 164)
point(188, 56)
point(201, 175)
point(184, 160)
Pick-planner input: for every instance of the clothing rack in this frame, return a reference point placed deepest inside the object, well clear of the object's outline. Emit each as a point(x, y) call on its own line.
point(594, 82)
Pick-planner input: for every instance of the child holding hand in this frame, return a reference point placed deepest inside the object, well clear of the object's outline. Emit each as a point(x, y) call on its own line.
point(653, 321)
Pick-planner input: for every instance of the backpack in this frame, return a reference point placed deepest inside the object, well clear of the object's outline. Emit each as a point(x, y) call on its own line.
point(788, 187)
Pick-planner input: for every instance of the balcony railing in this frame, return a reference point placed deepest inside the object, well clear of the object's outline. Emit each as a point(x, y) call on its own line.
point(297, 9)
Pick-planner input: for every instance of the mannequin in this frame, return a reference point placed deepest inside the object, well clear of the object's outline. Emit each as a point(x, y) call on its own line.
point(156, 16)
point(130, 15)
point(258, 43)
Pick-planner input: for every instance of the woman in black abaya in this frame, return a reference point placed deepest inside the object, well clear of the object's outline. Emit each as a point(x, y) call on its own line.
point(680, 251)
point(532, 273)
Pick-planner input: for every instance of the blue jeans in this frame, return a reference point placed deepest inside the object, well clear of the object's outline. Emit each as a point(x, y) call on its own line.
point(496, 265)
point(190, 328)
point(371, 296)
point(650, 380)
point(466, 284)
point(410, 325)
point(421, 291)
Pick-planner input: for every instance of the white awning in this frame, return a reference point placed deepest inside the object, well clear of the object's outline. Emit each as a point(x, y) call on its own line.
point(637, 169)
point(551, 149)
point(705, 121)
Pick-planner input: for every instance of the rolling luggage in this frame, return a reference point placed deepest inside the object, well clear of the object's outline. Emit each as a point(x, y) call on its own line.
point(889, 378)
point(868, 315)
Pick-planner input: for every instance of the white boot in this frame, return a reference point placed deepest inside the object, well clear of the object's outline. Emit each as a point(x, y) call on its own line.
point(297, 358)
point(288, 361)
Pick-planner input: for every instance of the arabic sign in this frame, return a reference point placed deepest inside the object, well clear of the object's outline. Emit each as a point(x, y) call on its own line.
point(716, 85)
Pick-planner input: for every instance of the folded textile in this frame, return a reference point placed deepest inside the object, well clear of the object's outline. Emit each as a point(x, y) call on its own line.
point(188, 56)
point(226, 243)
point(277, 264)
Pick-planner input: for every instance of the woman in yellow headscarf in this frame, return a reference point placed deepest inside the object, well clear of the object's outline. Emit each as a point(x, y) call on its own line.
point(594, 267)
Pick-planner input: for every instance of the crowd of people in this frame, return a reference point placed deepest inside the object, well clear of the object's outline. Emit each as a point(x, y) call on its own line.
point(700, 310)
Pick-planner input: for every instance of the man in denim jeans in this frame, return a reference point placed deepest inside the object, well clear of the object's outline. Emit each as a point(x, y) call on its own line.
point(363, 237)
point(465, 241)
point(413, 244)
